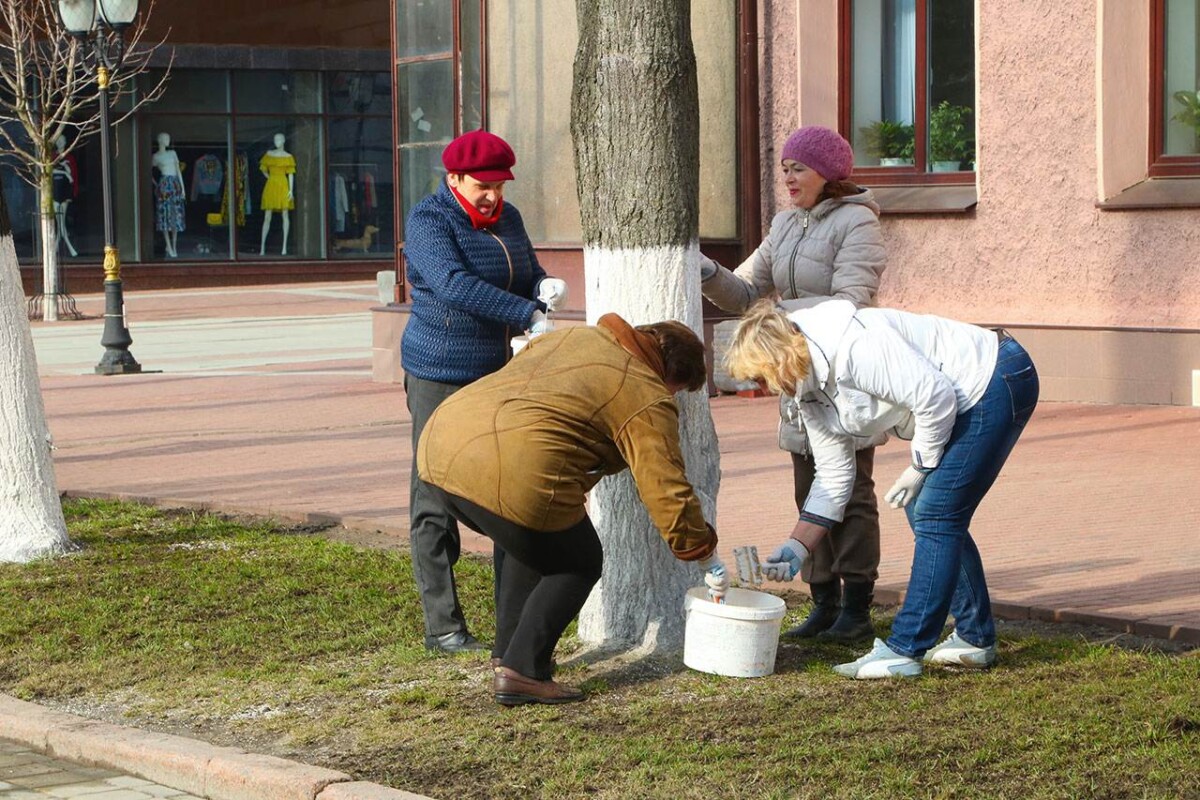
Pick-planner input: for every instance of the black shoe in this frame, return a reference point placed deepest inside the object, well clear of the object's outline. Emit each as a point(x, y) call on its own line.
point(854, 623)
point(454, 642)
point(824, 612)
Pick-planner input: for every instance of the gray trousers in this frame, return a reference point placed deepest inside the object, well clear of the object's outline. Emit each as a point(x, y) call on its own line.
point(849, 551)
point(434, 536)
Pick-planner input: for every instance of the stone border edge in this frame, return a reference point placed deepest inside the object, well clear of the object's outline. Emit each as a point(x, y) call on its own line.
point(190, 765)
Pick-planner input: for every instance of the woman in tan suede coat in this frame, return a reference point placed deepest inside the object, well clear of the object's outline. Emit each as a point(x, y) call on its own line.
point(829, 245)
point(515, 453)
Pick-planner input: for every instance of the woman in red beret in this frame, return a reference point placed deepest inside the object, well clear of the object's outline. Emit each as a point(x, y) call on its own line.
point(475, 283)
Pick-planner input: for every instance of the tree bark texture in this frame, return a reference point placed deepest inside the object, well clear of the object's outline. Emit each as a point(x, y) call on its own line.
point(31, 518)
point(50, 286)
point(635, 127)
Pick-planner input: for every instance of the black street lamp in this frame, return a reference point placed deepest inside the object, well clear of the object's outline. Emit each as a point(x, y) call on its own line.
point(103, 24)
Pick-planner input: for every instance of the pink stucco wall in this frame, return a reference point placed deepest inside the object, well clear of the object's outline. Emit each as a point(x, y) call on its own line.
point(1036, 250)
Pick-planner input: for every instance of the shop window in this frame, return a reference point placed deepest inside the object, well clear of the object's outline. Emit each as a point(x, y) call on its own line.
point(276, 92)
point(439, 87)
point(1175, 107)
point(361, 209)
point(285, 187)
point(908, 95)
point(190, 91)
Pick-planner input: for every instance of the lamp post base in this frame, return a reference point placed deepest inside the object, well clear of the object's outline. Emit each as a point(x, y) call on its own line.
point(117, 360)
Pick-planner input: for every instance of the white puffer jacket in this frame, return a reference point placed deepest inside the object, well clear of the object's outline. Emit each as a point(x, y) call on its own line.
point(832, 251)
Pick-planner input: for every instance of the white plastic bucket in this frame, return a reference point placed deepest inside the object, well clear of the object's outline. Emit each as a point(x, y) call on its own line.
point(518, 343)
point(736, 638)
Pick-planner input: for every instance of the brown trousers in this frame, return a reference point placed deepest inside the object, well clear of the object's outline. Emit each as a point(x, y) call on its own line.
point(851, 549)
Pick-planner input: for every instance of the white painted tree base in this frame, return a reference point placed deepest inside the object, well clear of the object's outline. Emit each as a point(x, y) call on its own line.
point(639, 600)
point(31, 519)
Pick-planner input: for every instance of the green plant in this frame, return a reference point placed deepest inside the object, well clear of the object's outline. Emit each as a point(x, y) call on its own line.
point(888, 139)
point(1190, 114)
point(951, 138)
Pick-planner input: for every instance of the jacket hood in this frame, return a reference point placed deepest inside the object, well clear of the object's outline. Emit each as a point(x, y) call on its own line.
point(824, 326)
point(865, 197)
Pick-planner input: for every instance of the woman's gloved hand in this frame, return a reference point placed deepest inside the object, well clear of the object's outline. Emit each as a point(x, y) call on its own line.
point(539, 323)
point(906, 488)
point(786, 562)
point(553, 292)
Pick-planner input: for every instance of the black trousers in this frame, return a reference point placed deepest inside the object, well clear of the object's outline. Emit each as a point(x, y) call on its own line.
point(547, 578)
point(433, 538)
point(850, 550)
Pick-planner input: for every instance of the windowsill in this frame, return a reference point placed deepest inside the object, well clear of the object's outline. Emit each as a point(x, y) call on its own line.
point(1155, 193)
point(929, 199)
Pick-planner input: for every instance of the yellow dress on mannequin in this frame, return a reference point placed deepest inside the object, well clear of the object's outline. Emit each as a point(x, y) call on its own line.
point(275, 193)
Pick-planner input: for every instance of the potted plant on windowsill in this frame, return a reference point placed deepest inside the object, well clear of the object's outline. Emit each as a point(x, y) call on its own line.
point(1190, 113)
point(890, 142)
point(951, 140)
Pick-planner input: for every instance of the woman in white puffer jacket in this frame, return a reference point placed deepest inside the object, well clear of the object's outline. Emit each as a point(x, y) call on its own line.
point(829, 245)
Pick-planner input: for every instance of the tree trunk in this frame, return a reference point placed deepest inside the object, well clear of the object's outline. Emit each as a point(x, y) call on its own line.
point(31, 519)
point(635, 126)
point(49, 249)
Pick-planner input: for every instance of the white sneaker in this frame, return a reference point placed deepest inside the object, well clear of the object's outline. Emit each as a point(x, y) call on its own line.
point(881, 662)
point(957, 652)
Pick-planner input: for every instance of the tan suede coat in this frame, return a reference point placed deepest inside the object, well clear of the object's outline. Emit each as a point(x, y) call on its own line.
point(529, 441)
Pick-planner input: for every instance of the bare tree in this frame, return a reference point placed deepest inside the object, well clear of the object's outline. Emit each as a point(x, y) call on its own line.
point(48, 104)
point(31, 518)
point(635, 125)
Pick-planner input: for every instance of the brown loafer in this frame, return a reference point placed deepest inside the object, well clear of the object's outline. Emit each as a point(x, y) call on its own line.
point(511, 688)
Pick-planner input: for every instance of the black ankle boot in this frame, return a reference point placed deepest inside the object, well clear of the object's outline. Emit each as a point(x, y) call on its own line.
point(854, 622)
point(824, 612)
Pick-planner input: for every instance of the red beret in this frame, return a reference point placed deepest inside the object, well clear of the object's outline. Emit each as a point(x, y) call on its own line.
point(482, 155)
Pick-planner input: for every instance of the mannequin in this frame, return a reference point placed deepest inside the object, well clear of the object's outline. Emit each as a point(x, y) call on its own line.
point(65, 188)
point(168, 194)
point(279, 167)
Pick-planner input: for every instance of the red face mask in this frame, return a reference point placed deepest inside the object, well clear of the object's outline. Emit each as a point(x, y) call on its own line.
point(478, 220)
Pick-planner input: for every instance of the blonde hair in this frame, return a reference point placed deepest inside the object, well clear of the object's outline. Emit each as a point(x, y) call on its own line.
point(768, 348)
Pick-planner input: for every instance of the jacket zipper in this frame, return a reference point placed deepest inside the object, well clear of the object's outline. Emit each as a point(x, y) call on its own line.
point(796, 252)
point(511, 276)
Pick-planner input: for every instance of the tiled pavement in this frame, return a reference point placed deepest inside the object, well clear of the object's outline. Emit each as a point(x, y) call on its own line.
point(28, 775)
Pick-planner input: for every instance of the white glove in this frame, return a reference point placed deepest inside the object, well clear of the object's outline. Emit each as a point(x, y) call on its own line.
point(708, 268)
point(553, 292)
point(906, 488)
point(787, 560)
point(539, 323)
point(716, 577)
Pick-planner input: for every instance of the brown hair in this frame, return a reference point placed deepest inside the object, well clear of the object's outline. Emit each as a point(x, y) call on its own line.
point(835, 189)
point(768, 348)
point(682, 352)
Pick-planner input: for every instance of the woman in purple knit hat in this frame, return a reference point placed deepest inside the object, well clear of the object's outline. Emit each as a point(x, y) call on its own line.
point(827, 245)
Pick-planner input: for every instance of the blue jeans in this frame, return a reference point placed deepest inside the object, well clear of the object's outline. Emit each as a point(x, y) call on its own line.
point(947, 573)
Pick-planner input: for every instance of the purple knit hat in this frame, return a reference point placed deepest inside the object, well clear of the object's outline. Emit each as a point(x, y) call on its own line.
point(822, 150)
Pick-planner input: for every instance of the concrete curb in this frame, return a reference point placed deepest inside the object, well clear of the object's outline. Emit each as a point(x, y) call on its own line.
point(190, 765)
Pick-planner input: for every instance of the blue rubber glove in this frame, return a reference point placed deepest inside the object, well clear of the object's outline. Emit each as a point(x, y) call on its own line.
point(716, 577)
point(786, 562)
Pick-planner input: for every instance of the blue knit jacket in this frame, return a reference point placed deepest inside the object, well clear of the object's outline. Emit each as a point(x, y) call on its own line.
point(471, 290)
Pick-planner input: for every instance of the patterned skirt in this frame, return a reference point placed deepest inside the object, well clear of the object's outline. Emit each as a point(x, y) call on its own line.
point(168, 205)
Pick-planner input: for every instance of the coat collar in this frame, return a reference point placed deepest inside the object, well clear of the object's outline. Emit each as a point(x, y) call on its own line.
point(823, 325)
point(641, 346)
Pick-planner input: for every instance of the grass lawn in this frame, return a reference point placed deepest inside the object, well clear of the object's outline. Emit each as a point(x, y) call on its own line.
point(278, 640)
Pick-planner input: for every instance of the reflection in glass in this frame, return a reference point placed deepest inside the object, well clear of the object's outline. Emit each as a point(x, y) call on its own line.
point(426, 101)
point(471, 49)
point(424, 27)
point(1181, 103)
point(884, 75)
point(276, 92)
point(21, 201)
point(361, 194)
point(421, 170)
point(189, 90)
point(951, 85)
point(359, 93)
point(285, 196)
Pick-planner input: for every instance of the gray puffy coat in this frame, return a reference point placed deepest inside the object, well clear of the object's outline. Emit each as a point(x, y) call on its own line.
point(833, 250)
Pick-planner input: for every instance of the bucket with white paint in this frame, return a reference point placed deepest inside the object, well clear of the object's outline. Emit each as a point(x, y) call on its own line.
point(518, 343)
point(737, 638)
